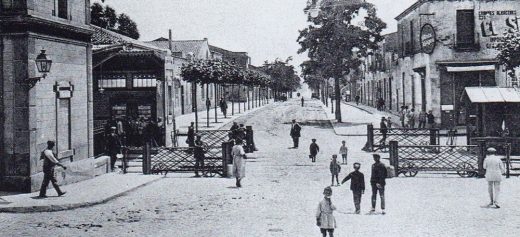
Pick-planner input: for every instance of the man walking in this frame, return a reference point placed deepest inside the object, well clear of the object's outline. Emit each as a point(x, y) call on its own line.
point(49, 162)
point(303, 100)
point(377, 181)
point(494, 169)
point(113, 147)
point(314, 149)
point(191, 135)
point(357, 185)
point(295, 133)
point(198, 153)
point(384, 130)
point(223, 106)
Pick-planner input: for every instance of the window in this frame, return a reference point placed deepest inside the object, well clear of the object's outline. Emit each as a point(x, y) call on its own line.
point(112, 81)
point(465, 29)
point(144, 80)
point(11, 4)
point(63, 9)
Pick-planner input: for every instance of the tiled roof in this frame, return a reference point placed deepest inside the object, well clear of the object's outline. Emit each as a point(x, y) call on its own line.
point(184, 46)
point(103, 37)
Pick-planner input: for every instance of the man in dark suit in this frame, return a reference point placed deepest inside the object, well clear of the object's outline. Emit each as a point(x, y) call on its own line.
point(191, 135)
point(199, 155)
point(295, 133)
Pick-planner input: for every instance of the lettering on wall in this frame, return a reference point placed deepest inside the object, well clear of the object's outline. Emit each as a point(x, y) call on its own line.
point(494, 24)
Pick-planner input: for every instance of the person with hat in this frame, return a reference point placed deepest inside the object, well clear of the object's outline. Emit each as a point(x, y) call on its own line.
point(313, 149)
point(324, 215)
point(295, 133)
point(335, 169)
point(199, 150)
point(113, 147)
point(223, 106)
point(49, 162)
point(191, 135)
point(357, 185)
point(384, 130)
point(494, 169)
point(377, 181)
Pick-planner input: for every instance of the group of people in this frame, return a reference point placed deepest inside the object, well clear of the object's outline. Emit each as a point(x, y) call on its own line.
point(409, 117)
point(381, 104)
point(134, 131)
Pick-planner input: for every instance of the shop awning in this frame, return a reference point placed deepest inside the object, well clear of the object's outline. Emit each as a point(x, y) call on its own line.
point(470, 68)
point(493, 94)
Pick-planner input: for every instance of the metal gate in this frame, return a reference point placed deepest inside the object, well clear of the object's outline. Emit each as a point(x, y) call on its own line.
point(405, 137)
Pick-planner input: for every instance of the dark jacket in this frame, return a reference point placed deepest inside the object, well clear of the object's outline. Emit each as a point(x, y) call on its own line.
point(431, 118)
point(113, 144)
point(334, 167)
point(223, 104)
point(314, 148)
point(191, 136)
point(357, 182)
point(199, 152)
point(378, 174)
point(383, 127)
point(295, 130)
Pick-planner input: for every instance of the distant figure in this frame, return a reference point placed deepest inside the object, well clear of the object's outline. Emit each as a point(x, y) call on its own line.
point(494, 169)
point(113, 147)
point(357, 185)
point(389, 122)
point(343, 150)
point(324, 215)
point(314, 149)
point(357, 99)
point(335, 169)
point(377, 181)
point(223, 106)
point(233, 131)
point(384, 130)
point(411, 118)
point(199, 155)
point(431, 119)
point(191, 135)
point(422, 119)
point(160, 133)
point(295, 133)
point(239, 164)
point(303, 100)
point(49, 162)
point(402, 117)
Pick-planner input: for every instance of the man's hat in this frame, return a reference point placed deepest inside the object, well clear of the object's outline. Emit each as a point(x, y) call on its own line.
point(113, 128)
point(491, 150)
point(376, 156)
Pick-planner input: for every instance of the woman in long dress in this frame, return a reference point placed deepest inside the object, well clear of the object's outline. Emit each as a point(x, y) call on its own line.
point(239, 164)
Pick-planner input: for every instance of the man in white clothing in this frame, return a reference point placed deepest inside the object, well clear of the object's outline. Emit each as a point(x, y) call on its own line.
point(494, 169)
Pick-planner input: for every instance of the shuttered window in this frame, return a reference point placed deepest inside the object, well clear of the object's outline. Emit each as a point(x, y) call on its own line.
point(465, 28)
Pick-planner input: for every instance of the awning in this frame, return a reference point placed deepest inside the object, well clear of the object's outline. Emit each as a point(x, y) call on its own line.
point(470, 68)
point(493, 94)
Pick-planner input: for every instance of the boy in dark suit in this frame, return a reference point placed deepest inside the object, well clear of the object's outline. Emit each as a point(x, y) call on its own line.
point(357, 185)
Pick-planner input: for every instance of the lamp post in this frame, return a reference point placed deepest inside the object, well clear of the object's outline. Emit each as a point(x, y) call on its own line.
point(43, 64)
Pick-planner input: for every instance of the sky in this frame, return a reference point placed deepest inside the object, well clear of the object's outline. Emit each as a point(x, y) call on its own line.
point(266, 29)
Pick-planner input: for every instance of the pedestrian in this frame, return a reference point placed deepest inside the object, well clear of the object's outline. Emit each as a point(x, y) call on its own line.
point(160, 133)
point(357, 99)
point(389, 122)
point(335, 169)
point(314, 149)
point(357, 185)
point(239, 163)
point(191, 135)
point(411, 118)
point(377, 181)
point(113, 147)
point(494, 169)
point(324, 215)
point(431, 119)
point(303, 100)
point(199, 151)
point(234, 130)
point(49, 162)
point(295, 133)
point(384, 131)
point(402, 117)
point(150, 132)
point(223, 106)
point(343, 150)
point(422, 119)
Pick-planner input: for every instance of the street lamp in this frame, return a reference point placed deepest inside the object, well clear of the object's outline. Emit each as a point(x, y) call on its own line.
point(43, 64)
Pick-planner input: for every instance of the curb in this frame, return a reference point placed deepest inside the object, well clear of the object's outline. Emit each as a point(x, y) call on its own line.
point(71, 206)
point(357, 107)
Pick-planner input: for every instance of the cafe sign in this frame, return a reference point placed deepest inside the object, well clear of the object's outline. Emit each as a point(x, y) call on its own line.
point(428, 39)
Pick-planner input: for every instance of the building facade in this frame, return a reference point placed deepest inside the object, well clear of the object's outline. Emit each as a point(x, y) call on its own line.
point(441, 47)
point(59, 106)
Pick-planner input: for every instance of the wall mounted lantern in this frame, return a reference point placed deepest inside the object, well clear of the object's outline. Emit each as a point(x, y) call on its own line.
point(44, 66)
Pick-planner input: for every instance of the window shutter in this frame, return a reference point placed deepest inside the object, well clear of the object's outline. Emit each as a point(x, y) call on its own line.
point(465, 28)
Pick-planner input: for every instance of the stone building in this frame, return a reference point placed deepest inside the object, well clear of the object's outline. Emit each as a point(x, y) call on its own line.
point(59, 106)
point(444, 47)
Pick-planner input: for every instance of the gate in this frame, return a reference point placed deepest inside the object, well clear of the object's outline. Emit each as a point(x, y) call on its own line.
point(466, 161)
point(405, 137)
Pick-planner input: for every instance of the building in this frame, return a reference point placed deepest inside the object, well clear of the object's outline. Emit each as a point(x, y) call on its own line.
point(59, 106)
point(443, 47)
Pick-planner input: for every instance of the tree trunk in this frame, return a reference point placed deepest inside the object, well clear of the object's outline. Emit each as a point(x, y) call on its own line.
point(338, 99)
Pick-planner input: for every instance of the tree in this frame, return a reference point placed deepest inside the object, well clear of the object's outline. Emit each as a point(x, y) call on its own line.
point(509, 53)
point(127, 26)
point(338, 37)
point(107, 18)
point(283, 75)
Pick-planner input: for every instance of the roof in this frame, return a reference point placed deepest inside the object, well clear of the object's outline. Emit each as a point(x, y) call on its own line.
point(223, 51)
point(103, 38)
point(493, 94)
point(410, 9)
point(184, 46)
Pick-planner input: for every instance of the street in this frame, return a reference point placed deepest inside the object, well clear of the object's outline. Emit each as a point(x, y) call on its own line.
point(281, 192)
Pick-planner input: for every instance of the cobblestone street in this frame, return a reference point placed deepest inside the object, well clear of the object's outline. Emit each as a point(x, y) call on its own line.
point(280, 194)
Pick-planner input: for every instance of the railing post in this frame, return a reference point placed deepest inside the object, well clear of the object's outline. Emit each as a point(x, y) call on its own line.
point(370, 137)
point(125, 154)
point(481, 156)
point(508, 159)
point(394, 156)
point(225, 158)
point(433, 136)
point(146, 158)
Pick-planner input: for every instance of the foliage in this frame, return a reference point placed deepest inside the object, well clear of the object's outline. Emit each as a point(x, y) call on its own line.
point(107, 18)
point(335, 41)
point(283, 75)
point(509, 52)
point(221, 72)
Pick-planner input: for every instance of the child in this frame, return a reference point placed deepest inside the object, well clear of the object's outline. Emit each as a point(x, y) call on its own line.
point(324, 218)
point(357, 185)
point(389, 122)
point(335, 169)
point(343, 150)
point(314, 149)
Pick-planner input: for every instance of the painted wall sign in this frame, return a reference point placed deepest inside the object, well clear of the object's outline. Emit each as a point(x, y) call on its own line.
point(428, 39)
point(495, 23)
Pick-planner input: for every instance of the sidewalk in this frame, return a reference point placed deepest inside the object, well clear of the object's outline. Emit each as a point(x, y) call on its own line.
point(101, 189)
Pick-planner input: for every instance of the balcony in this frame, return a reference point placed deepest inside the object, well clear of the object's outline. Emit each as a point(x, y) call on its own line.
point(466, 44)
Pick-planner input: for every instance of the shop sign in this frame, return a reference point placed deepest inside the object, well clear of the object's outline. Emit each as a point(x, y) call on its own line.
point(428, 39)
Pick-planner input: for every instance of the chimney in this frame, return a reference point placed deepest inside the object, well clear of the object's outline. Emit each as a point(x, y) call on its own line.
point(170, 40)
point(205, 39)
